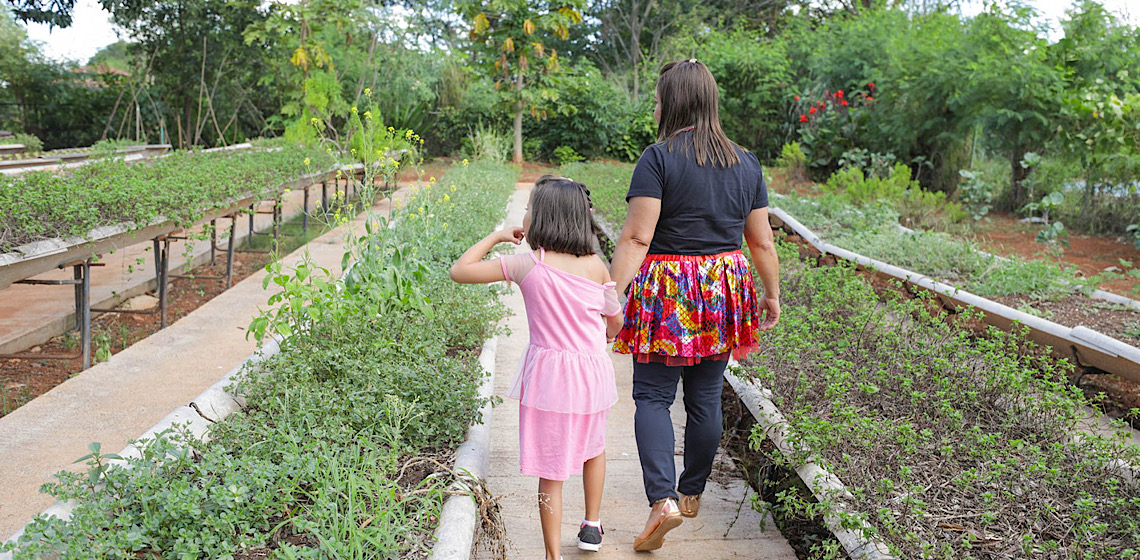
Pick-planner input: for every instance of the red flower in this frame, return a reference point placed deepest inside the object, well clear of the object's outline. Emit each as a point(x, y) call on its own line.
point(803, 118)
point(812, 110)
point(869, 98)
point(843, 102)
point(797, 98)
point(839, 94)
point(871, 85)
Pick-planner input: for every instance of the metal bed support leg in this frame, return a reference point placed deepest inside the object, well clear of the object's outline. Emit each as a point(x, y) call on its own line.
point(163, 269)
point(324, 196)
point(213, 242)
point(277, 224)
point(305, 212)
point(83, 313)
point(252, 211)
point(230, 252)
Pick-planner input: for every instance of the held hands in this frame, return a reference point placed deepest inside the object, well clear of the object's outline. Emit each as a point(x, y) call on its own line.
point(509, 235)
point(772, 306)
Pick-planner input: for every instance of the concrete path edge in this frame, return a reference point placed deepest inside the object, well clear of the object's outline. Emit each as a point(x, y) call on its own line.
point(455, 536)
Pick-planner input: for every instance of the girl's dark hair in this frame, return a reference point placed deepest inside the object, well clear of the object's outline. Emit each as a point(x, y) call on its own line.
point(688, 96)
point(560, 217)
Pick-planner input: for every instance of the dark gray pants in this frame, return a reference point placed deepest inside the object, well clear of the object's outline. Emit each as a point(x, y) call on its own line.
point(654, 389)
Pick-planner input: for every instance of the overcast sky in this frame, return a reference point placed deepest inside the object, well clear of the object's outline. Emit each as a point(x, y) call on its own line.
point(92, 29)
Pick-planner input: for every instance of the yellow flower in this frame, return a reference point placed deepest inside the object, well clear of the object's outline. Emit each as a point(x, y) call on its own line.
point(446, 197)
point(432, 179)
point(465, 162)
point(368, 114)
point(445, 224)
point(453, 188)
point(367, 91)
point(307, 162)
point(408, 134)
point(390, 129)
point(354, 110)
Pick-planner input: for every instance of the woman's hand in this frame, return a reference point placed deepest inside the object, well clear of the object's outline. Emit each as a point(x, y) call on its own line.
point(771, 307)
point(510, 235)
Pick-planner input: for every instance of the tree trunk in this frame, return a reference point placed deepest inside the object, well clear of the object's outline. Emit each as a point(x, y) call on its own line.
point(518, 156)
point(1018, 194)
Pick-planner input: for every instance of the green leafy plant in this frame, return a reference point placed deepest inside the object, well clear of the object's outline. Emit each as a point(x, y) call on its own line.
point(566, 154)
point(978, 418)
point(793, 159)
point(975, 194)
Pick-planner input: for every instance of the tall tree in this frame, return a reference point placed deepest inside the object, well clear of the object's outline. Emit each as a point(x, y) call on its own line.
point(56, 13)
point(196, 65)
point(509, 39)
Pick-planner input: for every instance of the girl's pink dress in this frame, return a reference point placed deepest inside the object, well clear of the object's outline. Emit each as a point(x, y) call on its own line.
point(565, 383)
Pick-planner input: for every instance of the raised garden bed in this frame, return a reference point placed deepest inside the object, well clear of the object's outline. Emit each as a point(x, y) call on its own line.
point(949, 445)
point(344, 442)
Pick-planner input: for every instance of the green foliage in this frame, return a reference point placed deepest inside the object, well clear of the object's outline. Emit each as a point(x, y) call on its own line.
point(975, 193)
point(792, 158)
point(566, 154)
point(968, 423)
point(916, 207)
point(486, 144)
point(592, 115)
point(313, 466)
point(31, 144)
point(511, 36)
point(180, 188)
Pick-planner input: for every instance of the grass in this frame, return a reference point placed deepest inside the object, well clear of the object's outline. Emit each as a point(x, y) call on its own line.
point(952, 446)
point(342, 447)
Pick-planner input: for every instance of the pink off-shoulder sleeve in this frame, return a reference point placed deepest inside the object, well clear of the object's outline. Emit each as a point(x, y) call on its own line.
point(516, 267)
point(612, 306)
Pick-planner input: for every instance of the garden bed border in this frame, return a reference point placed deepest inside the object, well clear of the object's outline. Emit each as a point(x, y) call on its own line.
point(819, 480)
point(1087, 346)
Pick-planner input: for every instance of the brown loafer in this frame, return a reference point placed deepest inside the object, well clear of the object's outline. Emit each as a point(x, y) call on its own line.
point(668, 518)
point(690, 505)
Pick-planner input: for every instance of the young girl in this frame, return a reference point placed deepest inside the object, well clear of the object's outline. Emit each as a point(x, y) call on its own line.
point(565, 383)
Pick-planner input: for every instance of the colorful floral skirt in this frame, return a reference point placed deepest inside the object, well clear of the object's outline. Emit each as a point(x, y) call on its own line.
point(683, 309)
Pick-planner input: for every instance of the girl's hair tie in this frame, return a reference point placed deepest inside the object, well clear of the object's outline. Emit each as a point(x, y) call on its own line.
point(692, 61)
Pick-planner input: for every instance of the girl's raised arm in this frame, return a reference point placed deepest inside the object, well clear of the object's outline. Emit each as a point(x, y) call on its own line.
point(472, 269)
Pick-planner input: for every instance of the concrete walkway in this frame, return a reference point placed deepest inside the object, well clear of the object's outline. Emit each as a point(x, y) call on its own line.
point(34, 314)
point(116, 401)
point(727, 527)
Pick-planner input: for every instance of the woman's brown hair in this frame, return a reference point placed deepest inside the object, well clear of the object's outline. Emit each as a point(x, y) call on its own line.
point(560, 217)
point(687, 93)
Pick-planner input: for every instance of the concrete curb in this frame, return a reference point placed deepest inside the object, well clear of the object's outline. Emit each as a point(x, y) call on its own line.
point(214, 404)
point(822, 483)
point(455, 536)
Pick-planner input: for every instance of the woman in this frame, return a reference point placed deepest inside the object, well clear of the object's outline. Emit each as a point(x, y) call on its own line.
point(692, 304)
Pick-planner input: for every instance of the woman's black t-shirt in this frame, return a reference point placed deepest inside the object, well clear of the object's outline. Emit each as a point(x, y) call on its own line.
point(703, 208)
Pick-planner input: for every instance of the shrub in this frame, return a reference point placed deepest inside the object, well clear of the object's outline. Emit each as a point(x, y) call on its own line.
point(793, 159)
point(566, 154)
point(487, 144)
point(917, 208)
point(975, 193)
point(31, 143)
